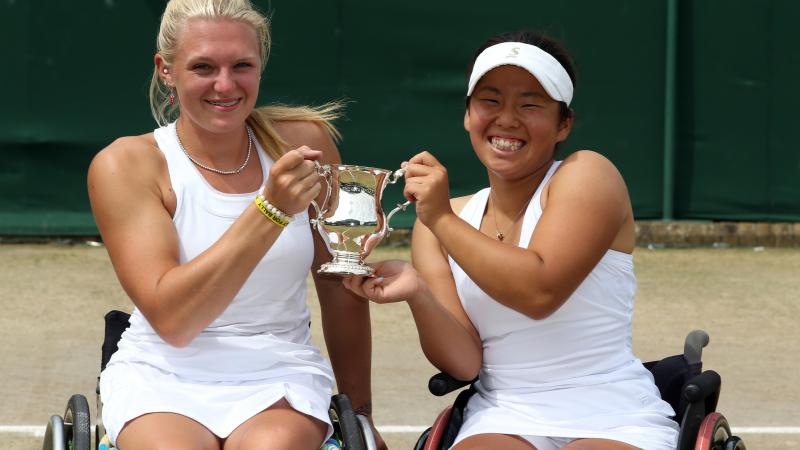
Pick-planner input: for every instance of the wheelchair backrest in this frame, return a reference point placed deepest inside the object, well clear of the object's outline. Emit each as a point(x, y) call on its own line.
point(116, 323)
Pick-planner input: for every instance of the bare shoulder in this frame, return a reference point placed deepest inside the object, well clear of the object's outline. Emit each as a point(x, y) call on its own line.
point(128, 150)
point(136, 160)
point(588, 158)
point(590, 178)
point(587, 167)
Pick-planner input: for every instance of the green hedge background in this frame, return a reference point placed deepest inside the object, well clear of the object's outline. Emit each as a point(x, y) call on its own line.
point(76, 76)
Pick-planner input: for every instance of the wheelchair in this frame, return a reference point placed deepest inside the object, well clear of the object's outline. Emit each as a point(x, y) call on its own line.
point(73, 430)
point(692, 392)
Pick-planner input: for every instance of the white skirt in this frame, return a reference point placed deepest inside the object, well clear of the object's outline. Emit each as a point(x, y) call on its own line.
point(628, 411)
point(220, 382)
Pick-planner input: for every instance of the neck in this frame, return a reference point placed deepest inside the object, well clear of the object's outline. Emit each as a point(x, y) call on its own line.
point(226, 149)
point(509, 196)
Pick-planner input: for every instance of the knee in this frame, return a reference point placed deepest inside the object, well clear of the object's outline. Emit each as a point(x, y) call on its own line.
point(167, 444)
point(280, 438)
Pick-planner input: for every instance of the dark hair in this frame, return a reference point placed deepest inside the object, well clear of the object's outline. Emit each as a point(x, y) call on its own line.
point(550, 45)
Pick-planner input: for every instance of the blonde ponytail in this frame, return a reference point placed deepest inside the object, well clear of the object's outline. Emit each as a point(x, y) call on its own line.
point(262, 120)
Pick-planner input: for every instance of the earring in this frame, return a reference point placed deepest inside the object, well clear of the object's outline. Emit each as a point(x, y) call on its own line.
point(171, 97)
point(165, 70)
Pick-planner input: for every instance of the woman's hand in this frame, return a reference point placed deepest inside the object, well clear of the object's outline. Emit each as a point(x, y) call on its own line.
point(394, 281)
point(293, 181)
point(427, 185)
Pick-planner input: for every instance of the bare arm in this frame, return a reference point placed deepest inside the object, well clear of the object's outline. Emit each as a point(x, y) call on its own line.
point(587, 206)
point(130, 201)
point(447, 336)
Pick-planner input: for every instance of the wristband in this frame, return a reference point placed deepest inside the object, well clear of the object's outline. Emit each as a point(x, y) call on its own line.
point(272, 213)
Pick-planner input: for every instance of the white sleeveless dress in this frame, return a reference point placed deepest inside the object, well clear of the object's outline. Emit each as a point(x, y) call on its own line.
point(572, 374)
point(257, 352)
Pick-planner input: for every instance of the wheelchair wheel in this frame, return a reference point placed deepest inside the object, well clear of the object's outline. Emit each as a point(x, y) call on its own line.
point(77, 428)
point(714, 432)
point(366, 432)
point(735, 443)
point(342, 415)
point(423, 438)
point(433, 439)
point(54, 435)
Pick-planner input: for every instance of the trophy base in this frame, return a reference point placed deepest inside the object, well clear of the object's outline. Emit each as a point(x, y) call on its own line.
point(346, 264)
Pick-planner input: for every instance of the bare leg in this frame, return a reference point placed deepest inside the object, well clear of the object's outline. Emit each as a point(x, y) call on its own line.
point(278, 427)
point(598, 444)
point(487, 441)
point(166, 431)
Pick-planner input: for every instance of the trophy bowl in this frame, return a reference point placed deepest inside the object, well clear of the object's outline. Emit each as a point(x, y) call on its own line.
point(351, 220)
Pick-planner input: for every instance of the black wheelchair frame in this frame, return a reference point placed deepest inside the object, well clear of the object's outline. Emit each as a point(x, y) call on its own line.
point(692, 392)
point(73, 430)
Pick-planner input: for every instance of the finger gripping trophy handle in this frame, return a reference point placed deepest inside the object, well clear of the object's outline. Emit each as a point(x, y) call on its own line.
point(324, 172)
point(400, 173)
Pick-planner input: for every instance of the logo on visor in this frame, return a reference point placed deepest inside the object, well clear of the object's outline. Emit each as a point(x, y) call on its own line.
point(513, 53)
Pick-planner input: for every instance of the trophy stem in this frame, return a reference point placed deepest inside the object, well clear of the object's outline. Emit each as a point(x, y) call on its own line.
point(346, 263)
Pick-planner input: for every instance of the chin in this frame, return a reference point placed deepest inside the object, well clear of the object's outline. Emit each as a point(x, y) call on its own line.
point(222, 125)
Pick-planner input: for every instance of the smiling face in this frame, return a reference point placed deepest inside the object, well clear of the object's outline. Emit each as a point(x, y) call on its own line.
point(513, 124)
point(216, 73)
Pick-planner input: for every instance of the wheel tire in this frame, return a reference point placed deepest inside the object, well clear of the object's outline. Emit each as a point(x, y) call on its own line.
point(342, 413)
point(423, 438)
point(714, 432)
point(77, 424)
point(54, 434)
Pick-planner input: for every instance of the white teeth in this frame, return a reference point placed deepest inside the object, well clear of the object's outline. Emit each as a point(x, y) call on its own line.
point(225, 104)
point(506, 144)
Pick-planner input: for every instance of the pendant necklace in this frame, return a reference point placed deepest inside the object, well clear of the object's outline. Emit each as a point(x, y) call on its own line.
point(500, 235)
point(212, 169)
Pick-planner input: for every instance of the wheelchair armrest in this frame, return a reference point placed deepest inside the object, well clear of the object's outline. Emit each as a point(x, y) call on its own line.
point(702, 386)
point(442, 384)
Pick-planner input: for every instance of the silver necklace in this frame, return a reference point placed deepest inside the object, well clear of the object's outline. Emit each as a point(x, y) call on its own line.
point(211, 169)
point(500, 235)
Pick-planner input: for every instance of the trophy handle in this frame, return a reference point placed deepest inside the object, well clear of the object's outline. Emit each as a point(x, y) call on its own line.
point(325, 173)
point(399, 207)
point(399, 173)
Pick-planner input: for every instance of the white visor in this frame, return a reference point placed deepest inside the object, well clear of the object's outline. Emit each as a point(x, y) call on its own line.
point(550, 73)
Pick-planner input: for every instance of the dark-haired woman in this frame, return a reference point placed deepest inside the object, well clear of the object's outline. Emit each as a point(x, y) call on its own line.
point(529, 283)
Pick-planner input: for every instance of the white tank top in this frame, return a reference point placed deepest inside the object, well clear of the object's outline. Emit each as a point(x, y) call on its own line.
point(264, 332)
point(586, 341)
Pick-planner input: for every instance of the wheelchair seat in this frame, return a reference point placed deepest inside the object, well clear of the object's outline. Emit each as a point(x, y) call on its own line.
point(72, 431)
point(692, 392)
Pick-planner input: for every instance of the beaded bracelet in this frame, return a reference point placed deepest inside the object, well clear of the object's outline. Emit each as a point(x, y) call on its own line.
point(272, 213)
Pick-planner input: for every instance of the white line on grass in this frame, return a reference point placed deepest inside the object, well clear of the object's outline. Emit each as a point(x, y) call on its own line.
point(765, 430)
point(35, 430)
point(38, 431)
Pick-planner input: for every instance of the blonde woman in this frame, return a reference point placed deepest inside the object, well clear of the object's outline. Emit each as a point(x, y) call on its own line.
point(206, 223)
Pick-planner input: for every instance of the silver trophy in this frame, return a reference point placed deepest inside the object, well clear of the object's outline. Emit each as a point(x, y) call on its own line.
point(351, 219)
